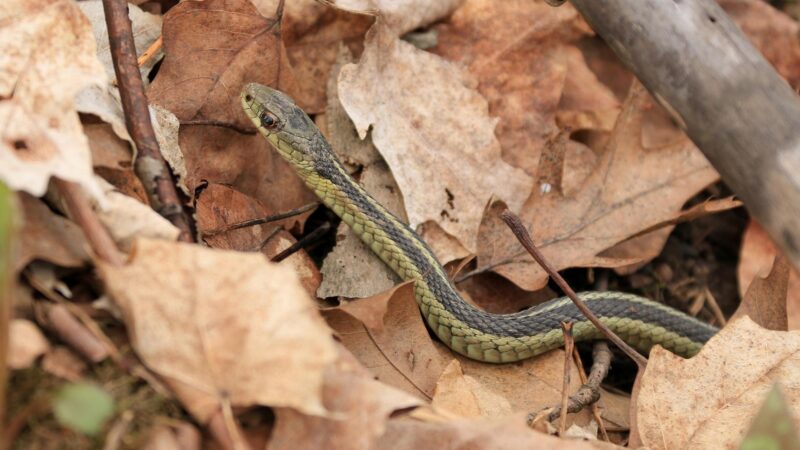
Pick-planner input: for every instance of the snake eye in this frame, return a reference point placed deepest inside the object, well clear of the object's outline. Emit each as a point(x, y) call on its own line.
point(267, 119)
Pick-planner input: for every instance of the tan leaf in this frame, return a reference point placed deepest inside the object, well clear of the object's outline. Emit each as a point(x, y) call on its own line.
point(520, 53)
point(755, 259)
point(127, 219)
point(27, 344)
point(360, 407)
point(313, 33)
point(765, 300)
point(48, 56)
point(222, 325)
point(64, 363)
point(446, 160)
point(400, 354)
point(219, 206)
point(206, 64)
point(401, 15)
point(630, 190)
point(710, 400)
point(508, 433)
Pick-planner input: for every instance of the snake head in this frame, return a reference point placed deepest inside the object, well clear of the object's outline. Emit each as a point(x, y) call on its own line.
point(284, 124)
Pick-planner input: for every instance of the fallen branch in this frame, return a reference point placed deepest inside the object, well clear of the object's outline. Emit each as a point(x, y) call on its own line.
point(589, 393)
point(150, 166)
point(515, 224)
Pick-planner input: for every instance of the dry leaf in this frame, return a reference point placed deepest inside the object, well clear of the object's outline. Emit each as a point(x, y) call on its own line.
point(313, 33)
point(400, 354)
point(518, 52)
point(27, 344)
point(49, 237)
point(127, 219)
point(765, 300)
point(709, 401)
point(64, 363)
point(630, 190)
point(360, 404)
point(401, 16)
point(219, 206)
point(755, 259)
point(49, 55)
point(445, 159)
point(212, 49)
point(509, 433)
point(204, 319)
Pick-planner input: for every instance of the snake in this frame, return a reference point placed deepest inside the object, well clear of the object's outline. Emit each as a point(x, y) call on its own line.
point(464, 328)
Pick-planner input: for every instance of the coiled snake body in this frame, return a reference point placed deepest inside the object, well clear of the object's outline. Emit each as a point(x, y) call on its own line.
point(495, 338)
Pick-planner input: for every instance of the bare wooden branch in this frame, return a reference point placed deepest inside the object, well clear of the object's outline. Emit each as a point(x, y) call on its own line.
point(723, 93)
point(150, 166)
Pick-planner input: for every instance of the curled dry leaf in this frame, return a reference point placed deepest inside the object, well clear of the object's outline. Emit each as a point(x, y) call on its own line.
point(630, 190)
point(220, 325)
point(401, 16)
point(218, 206)
point(49, 237)
point(446, 160)
point(765, 300)
point(399, 351)
point(755, 259)
point(360, 407)
point(26, 344)
point(127, 219)
point(709, 401)
point(49, 55)
point(510, 433)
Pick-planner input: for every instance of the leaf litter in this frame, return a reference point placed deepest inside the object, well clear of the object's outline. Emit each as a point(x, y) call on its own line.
point(542, 124)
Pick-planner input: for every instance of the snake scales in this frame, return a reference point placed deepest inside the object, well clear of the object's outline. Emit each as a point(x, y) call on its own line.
point(495, 338)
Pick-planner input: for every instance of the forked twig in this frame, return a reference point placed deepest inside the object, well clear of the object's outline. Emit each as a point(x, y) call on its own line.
point(569, 346)
point(515, 224)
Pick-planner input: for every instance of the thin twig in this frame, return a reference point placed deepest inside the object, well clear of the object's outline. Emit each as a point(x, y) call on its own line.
point(598, 345)
point(515, 224)
point(150, 166)
point(221, 124)
point(589, 392)
point(714, 307)
point(150, 52)
point(303, 242)
point(81, 212)
point(569, 346)
point(261, 220)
